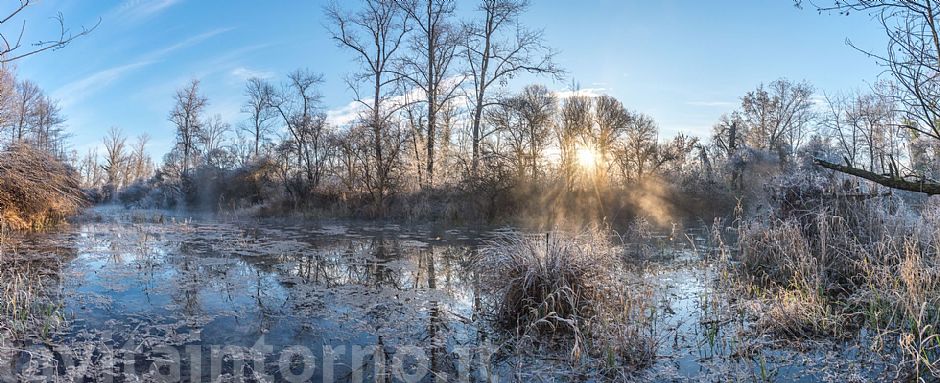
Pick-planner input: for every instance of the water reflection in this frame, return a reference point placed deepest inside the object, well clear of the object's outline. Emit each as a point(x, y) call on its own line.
point(229, 284)
point(365, 297)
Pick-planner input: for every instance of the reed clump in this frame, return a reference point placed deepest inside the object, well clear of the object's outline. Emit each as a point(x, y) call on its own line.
point(569, 291)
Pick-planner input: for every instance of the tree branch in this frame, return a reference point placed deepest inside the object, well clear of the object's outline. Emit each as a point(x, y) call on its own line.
point(923, 186)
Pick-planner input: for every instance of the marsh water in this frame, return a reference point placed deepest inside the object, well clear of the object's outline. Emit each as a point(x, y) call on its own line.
point(152, 295)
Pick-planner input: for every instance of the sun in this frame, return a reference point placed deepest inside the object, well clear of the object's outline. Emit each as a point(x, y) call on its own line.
point(587, 157)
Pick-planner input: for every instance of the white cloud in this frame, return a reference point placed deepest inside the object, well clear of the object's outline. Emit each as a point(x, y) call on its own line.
point(243, 74)
point(586, 92)
point(344, 115)
point(715, 104)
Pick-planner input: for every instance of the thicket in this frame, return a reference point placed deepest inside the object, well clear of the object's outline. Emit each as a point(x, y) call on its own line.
point(36, 189)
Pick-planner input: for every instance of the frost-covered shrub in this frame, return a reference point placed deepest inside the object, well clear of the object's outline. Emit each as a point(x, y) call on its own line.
point(134, 194)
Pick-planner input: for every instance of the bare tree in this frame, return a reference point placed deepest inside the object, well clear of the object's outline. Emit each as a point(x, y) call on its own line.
point(611, 119)
point(47, 132)
point(141, 165)
point(428, 68)
point(28, 95)
point(573, 131)
point(637, 153)
point(258, 107)
point(8, 96)
point(778, 116)
point(89, 169)
point(641, 153)
point(415, 120)
point(212, 138)
point(298, 104)
point(374, 33)
point(12, 48)
point(115, 157)
point(186, 115)
point(498, 48)
point(728, 137)
point(526, 120)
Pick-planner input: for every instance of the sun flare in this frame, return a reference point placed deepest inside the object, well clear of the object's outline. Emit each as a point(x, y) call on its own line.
point(586, 157)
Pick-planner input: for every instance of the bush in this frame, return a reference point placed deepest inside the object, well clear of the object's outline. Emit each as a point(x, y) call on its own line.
point(36, 189)
point(134, 194)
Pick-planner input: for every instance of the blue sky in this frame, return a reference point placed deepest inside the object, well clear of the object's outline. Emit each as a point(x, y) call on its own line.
point(682, 62)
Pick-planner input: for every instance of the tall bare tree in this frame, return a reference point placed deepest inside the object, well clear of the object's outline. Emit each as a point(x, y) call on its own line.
point(141, 165)
point(374, 33)
point(428, 68)
point(574, 130)
point(611, 119)
point(727, 138)
point(298, 104)
point(497, 48)
point(28, 96)
point(637, 153)
point(258, 108)
point(641, 155)
point(47, 131)
point(89, 169)
point(115, 158)
point(212, 139)
point(186, 116)
point(8, 93)
point(526, 120)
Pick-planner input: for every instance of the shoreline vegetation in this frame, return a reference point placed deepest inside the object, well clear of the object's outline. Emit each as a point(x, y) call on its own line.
point(37, 191)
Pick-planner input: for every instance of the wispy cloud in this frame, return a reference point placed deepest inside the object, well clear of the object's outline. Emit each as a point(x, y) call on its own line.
point(136, 10)
point(712, 104)
point(75, 91)
point(243, 74)
point(191, 41)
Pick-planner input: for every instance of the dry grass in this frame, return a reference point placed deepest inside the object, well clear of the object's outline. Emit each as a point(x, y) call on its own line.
point(902, 300)
point(28, 307)
point(569, 291)
point(36, 190)
point(866, 265)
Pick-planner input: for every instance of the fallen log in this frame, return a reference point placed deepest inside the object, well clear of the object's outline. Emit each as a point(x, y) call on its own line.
point(922, 186)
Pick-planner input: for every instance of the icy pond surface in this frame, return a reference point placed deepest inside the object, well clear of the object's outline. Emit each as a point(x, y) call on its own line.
point(146, 295)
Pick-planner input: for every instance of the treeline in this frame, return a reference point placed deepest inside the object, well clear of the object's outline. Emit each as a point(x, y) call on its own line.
point(122, 164)
point(436, 135)
point(30, 116)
